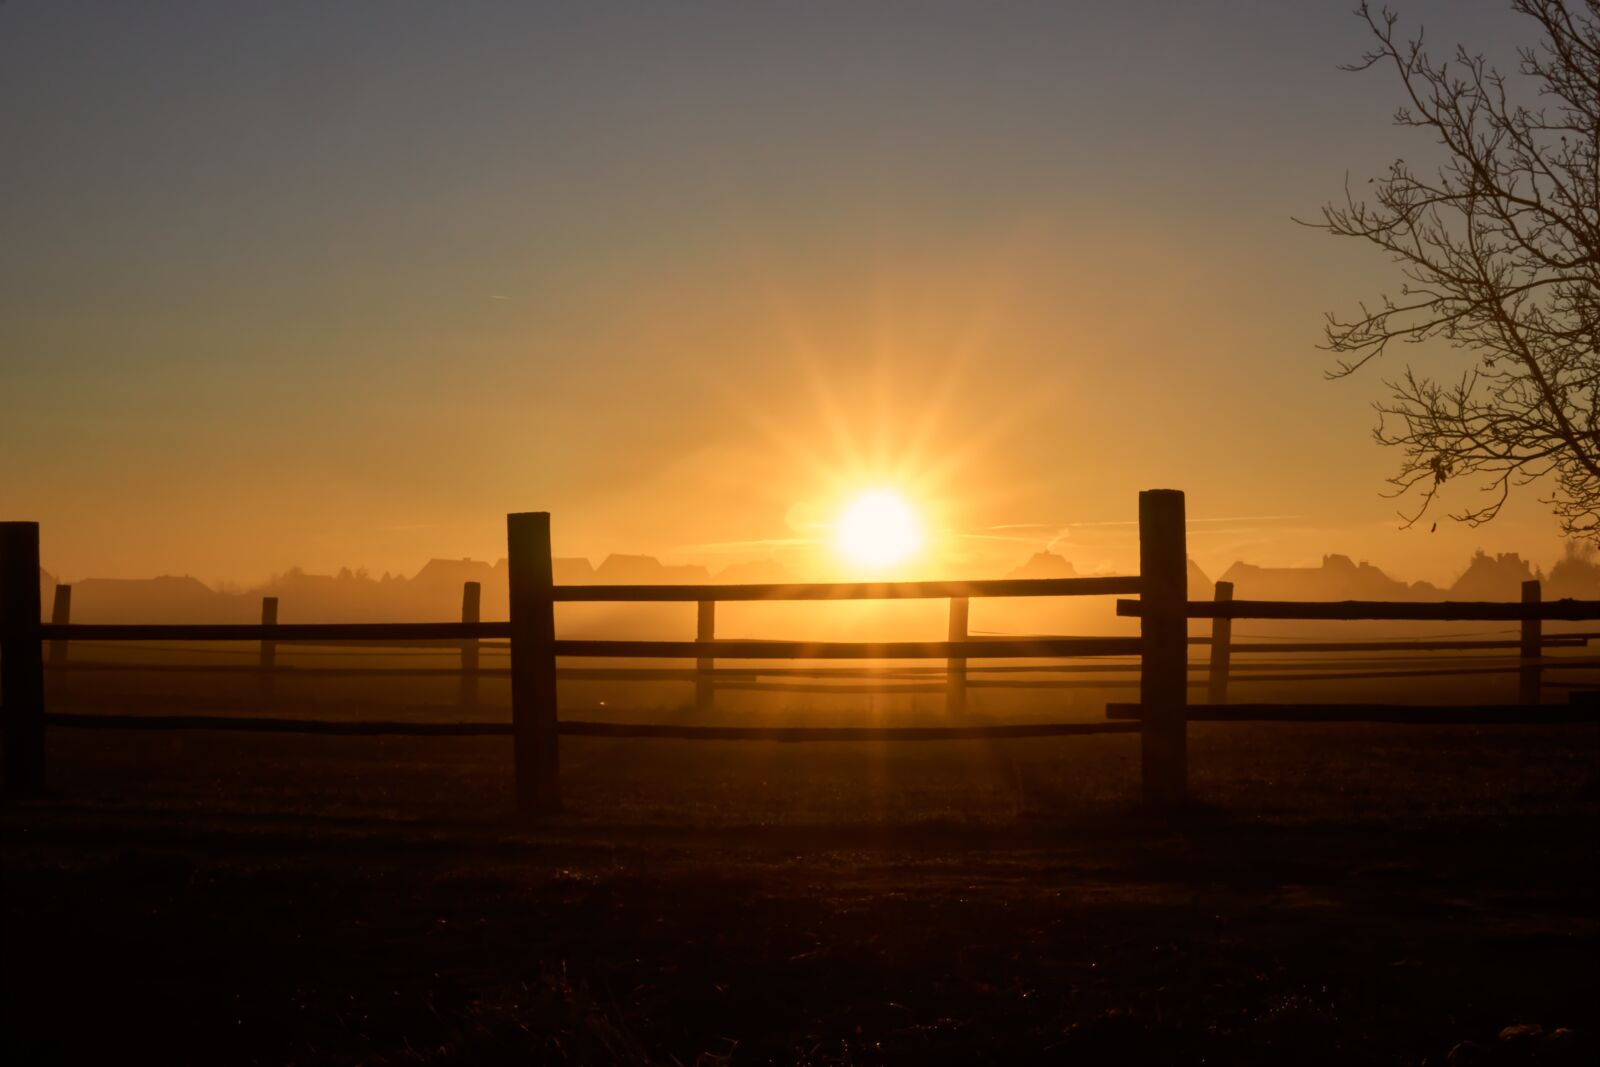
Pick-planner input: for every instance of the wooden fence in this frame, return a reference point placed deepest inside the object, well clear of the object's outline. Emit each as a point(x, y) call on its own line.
point(1160, 715)
point(1531, 613)
point(953, 679)
point(535, 724)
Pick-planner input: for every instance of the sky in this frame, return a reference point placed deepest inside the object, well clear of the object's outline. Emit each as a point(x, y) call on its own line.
point(316, 285)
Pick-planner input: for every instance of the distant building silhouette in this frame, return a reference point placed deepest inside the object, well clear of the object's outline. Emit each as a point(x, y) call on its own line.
point(1575, 575)
point(1492, 577)
point(575, 570)
point(1051, 565)
point(1339, 578)
point(450, 573)
point(164, 599)
point(617, 569)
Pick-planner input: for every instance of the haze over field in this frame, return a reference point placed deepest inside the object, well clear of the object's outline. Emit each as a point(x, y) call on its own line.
point(291, 285)
point(434, 592)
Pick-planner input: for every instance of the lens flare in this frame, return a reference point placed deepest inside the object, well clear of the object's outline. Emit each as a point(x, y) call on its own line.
point(878, 529)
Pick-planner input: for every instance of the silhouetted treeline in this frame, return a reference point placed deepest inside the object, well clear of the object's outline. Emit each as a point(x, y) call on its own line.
point(434, 592)
point(1486, 577)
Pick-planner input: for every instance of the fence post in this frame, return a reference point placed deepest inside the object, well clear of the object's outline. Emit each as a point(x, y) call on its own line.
point(21, 658)
point(955, 692)
point(1163, 664)
point(1528, 680)
point(705, 629)
point(471, 599)
point(1221, 648)
point(534, 721)
point(269, 649)
point(60, 615)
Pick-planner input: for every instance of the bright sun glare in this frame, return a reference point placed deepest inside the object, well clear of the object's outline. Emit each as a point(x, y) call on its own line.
point(878, 529)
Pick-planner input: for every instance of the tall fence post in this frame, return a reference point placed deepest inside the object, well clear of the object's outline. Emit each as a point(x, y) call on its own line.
point(534, 722)
point(60, 615)
point(269, 649)
point(1221, 648)
point(1163, 664)
point(471, 601)
point(1528, 677)
point(21, 658)
point(955, 692)
point(705, 629)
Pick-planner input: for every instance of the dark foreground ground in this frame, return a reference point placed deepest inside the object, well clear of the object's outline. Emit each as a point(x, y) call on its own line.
point(1344, 895)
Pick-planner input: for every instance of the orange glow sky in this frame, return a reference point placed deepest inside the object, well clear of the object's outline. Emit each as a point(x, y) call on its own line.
point(325, 285)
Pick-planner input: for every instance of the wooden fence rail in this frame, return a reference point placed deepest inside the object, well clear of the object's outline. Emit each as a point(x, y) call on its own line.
point(567, 728)
point(728, 648)
point(1360, 610)
point(1000, 587)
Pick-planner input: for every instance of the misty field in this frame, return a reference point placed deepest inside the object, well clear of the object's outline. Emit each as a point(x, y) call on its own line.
point(421, 684)
point(1343, 894)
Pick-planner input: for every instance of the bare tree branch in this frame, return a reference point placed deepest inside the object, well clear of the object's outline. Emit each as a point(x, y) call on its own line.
point(1499, 251)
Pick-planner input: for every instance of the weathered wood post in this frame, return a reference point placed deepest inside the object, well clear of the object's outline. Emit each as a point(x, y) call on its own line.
point(1528, 677)
point(21, 658)
point(471, 600)
point(1221, 648)
point(60, 615)
point(1163, 625)
point(705, 629)
point(269, 649)
point(534, 722)
point(955, 692)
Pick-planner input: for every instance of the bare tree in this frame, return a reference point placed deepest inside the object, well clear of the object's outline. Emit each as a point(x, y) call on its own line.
point(1499, 246)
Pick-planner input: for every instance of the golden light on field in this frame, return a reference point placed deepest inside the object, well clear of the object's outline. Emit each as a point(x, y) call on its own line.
point(878, 529)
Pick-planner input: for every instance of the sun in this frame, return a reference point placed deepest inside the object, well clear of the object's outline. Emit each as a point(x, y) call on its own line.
point(878, 529)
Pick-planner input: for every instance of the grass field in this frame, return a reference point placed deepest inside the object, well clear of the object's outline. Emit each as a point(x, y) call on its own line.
point(1342, 894)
